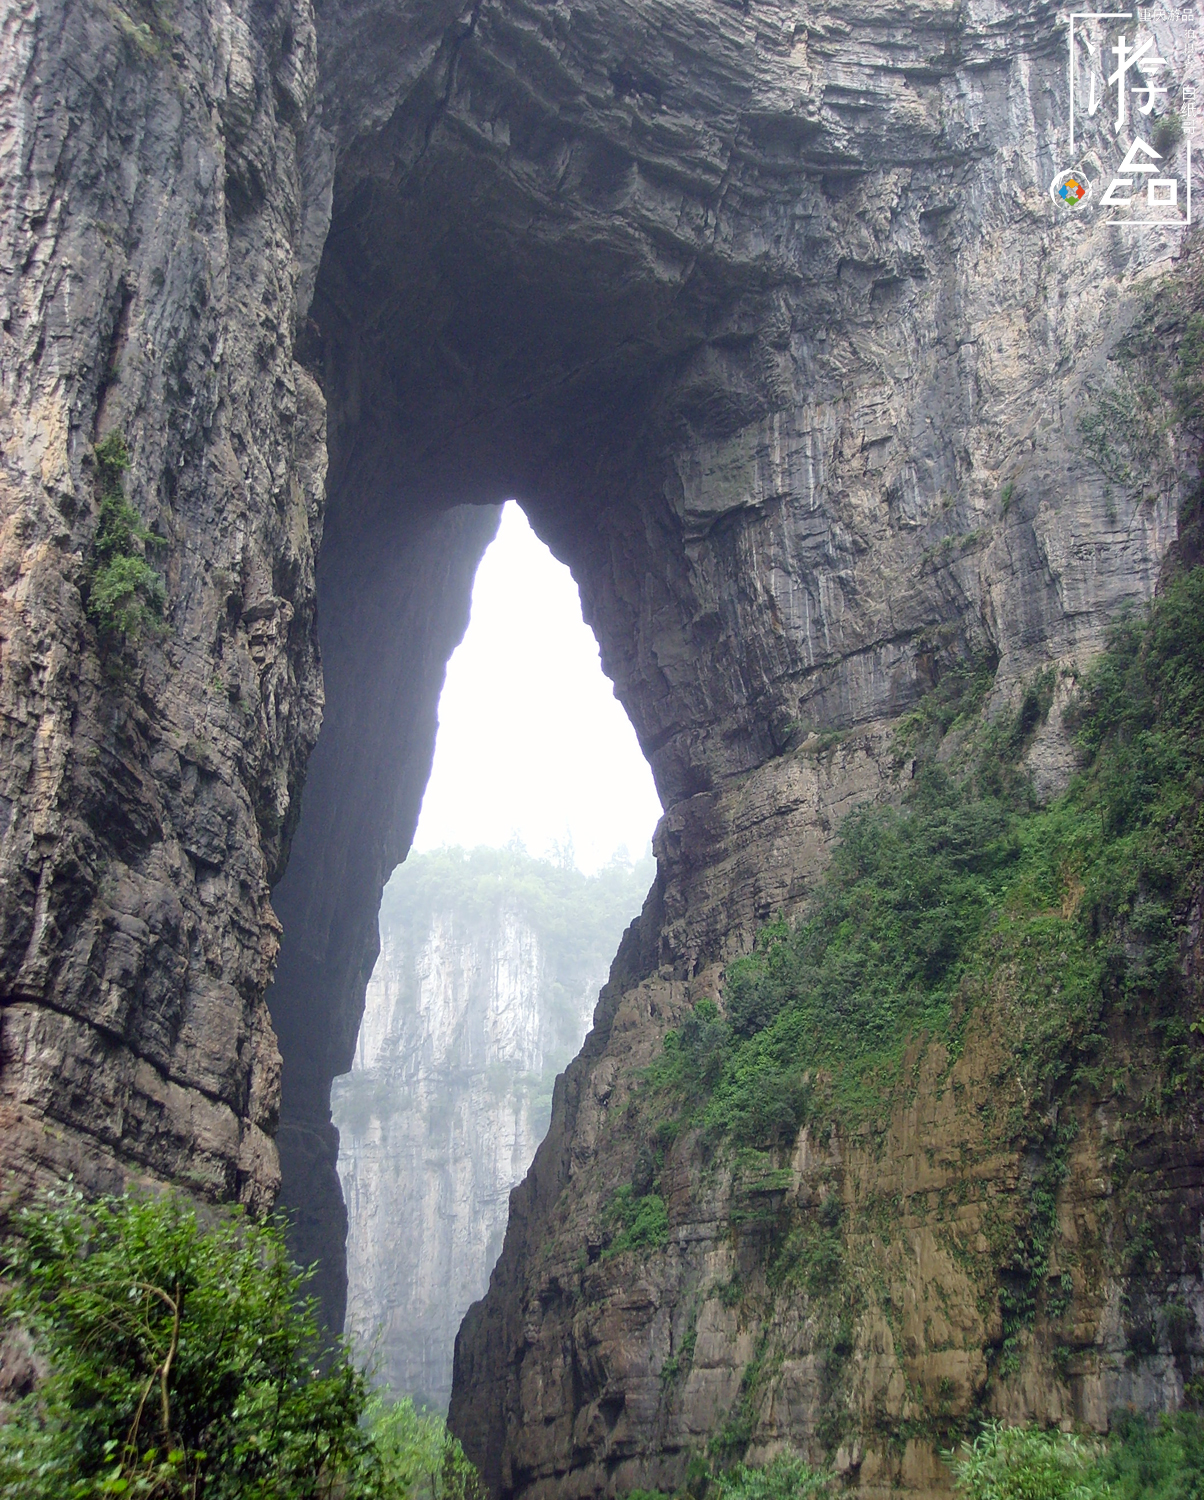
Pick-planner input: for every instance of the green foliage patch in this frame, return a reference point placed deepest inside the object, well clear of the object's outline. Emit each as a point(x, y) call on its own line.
point(184, 1361)
point(812, 1256)
point(124, 594)
point(1162, 1460)
point(636, 1223)
point(418, 1457)
point(969, 882)
point(1142, 1460)
point(784, 1478)
point(1025, 1463)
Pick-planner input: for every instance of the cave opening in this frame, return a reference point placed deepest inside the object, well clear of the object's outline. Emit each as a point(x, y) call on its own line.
point(533, 752)
point(470, 349)
point(474, 376)
point(521, 297)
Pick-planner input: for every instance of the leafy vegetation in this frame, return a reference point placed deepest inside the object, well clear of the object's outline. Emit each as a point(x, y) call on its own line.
point(1162, 1460)
point(1025, 1463)
point(421, 1459)
point(124, 593)
point(1143, 1461)
point(636, 1223)
point(926, 903)
point(184, 1362)
point(786, 1477)
point(811, 1256)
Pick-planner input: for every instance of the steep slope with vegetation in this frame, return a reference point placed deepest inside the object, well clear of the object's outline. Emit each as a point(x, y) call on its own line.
point(768, 316)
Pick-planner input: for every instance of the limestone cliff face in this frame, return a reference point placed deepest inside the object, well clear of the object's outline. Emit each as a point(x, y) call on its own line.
point(477, 1000)
point(151, 201)
point(765, 313)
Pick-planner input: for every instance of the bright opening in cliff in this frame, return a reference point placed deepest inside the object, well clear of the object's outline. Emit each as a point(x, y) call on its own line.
point(496, 936)
point(532, 743)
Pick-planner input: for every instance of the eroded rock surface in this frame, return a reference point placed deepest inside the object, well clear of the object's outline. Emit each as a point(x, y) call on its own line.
point(151, 200)
point(764, 312)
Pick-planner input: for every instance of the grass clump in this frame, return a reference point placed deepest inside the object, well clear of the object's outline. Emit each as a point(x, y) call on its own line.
point(125, 595)
point(185, 1361)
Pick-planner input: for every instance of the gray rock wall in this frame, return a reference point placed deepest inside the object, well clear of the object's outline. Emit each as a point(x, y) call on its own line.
point(489, 970)
point(765, 313)
point(151, 201)
point(438, 1120)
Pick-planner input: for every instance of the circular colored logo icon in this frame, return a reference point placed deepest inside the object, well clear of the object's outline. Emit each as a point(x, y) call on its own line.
point(1070, 189)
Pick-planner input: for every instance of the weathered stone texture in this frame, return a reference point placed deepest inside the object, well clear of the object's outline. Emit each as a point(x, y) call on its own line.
point(151, 197)
point(761, 310)
point(582, 1376)
point(439, 1119)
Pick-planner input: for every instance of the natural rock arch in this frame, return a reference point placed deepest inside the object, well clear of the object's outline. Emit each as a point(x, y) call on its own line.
point(704, 321)
point(737, 300)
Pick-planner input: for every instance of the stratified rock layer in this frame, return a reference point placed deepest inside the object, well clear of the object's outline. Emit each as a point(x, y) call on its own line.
point(151, 199)
point(766, 314)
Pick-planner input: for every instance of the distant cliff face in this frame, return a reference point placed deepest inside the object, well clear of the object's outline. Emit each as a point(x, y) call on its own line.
point(489, 970)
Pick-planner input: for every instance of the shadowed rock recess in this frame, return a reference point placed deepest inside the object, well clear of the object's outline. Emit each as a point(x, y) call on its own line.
point(764, 314)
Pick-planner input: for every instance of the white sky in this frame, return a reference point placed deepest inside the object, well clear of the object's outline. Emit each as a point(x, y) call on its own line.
point(531, 739)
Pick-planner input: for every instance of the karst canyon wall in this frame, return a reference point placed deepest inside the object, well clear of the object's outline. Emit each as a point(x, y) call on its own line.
point(489, 970)
point(765, 313)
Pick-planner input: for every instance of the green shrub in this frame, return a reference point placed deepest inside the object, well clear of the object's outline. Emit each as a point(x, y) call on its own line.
point(1024, 1463)
point(184, 1362)
point(641, 1223)
point(785, 1478)
point(1162, 1460)
point(124, 594)
point(419, 1458)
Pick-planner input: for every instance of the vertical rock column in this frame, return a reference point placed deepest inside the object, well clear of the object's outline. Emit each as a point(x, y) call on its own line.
point(395, 593)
